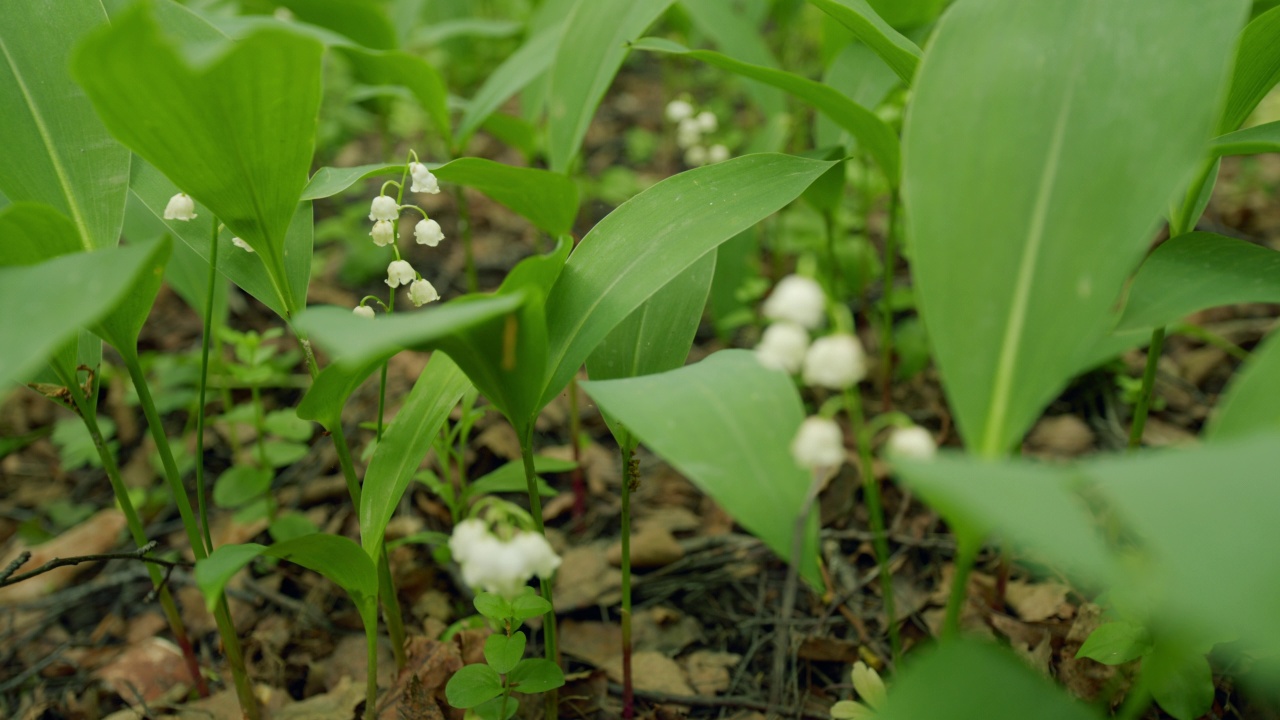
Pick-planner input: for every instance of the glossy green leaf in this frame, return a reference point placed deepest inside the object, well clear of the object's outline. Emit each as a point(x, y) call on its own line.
point(363, 21)
point(897, 51)
point(1257, 69)
point(404, 445)
point(1010, 146)
point(241, 484)
point(535, 675)
point(472, 685)
point(1256, 140)
point(1197, 271)
point(903, 14)
point(1181, 681)
point(354, 341)
point(639, 247)
point(335, 557)
point(329, 181)
point(526, 64)
point(122, 326)
point(1115, 643)
point(584, 68)
point(57, 151)
point(970, 680)
point(529, 605)
point(549, 200)
point(328, 393)
point(726, 423)
point(502, 652)
point(49, 320)
point(860, 75)
point(734, 32)
point(35, 232)
point(872, 132)
point(492, 606)
point(235, 138)
point(1249, 403)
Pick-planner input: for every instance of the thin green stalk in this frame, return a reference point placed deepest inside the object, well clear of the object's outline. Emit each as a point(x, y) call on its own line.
point(371, 682)
point(575, 442)
point(464, 229)
point(886, 305)
point(202, 507)
point(871, 488)
point(136, 530)
point(391, 609)
point(966, 555)
point(552, 652)
point(630, 474)
point(1143, 406)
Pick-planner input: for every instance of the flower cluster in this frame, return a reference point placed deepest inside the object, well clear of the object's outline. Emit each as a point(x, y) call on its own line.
point(796, 307)
point(384, 211)
point(691, 127)
point(500, 566)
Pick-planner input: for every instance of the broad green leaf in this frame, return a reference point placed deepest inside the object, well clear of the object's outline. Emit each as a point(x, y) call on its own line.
point(41, 322)
point(1115, 643)
point(122, 326)
point(583, 68)
point(1257, 69)
point(527, 63)
point(1181, 681)
point(328, 393)
point(363, 21)
point(655, 337)
point(1010, 146)
point(737, 36)
point(549, 200)
point(1028, 506)
point(404, 445)
point(529, 605)
point(1249, 403)
point(237, 139)
point(57, 151)
point(1197, 271)
point(535, 675)
point(394, 67)
point(897, 51)
point(502, 652)
point(510, 477)
point(970, 680)
point(904, 14)
point(870, 130)
point(730, 437)
point(475, 27)
point(35, 232)
point(639, 247)
point(287, 424)
point(337, 558)
point(354, 341)
point(329, 181)
point(472, 685)
point(492, 606)
point(240, 484)
point(860, 75)
point(1256, 140)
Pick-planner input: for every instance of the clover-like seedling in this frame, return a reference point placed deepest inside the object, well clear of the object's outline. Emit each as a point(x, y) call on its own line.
point(486, 688)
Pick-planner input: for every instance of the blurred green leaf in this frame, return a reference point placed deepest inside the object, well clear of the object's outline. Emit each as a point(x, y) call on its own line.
point(1249, 403)
point(57, 151)
point(863, 77)
point(1115, 643)
point(526, 64)
point(730, 437)
point(364, 21)
point(1256, 140)
point(1257, 69)
point(548, 200)
point(1009, 145)
point(898, 52)
point(510, 477)
point(239, 484)
point(733, 31)
point(1180, 680)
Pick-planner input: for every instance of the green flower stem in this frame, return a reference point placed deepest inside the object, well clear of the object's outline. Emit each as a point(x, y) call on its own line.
point(391, 609)
point(966, 554)
point(202, 507)
point(871, 488)
point(1143, 405)
point(630, 475)
point(464, 229)
point(391, 297)
point(886, 305)
point(371, 682)
point(136, 529)
point(552, 652)
point(575, 442)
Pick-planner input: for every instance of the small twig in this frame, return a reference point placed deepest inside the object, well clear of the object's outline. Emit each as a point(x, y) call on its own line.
point(22, 677)
point(18, 562)
point(717, 701)
point(139, 554)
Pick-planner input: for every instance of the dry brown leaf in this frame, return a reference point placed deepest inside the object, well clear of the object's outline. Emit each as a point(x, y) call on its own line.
point(664, 630)
point(340, 702)
point(652, 546)
point(709, 670)
point(652, 671)
point(418, 690)
point(1037, 602)
point(586, 579)
point(595, 642)
point(99, 534)
point(148, 670)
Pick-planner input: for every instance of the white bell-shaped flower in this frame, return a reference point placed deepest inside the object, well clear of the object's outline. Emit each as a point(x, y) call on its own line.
point(428, 232)
point(782, 347)
point(241, 244)
point(423, 180)
point(383, 233)
point(537, 553)
point(717, 154)
point(695, 156)
point(384, 208)
point(819, 444)
point(912, 442)
point(497, 566)
point(707, 122)
point(688, 133)
point(363, 311)
point(835, 361)
point(400, 272)
point(678, 110)
point(797, 299)
point(180, 207)
point(466, 535)
point(422, 292)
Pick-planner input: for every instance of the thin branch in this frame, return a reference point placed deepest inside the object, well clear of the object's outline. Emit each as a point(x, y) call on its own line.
point(139, 554)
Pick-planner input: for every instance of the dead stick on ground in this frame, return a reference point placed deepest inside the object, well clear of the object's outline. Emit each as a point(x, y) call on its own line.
point(139, 554)
point(783, 632)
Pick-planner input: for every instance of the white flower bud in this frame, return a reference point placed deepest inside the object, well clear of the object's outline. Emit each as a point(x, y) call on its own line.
point(797, 299)
point(400, 272)
point(695, 156)
point(688, 133)
point(422, 292)
point(707, 122)
point(180, 207)
point(384, 208)
point(465, 536)
point(678, 110)
point(383, 233)
point(818, 444)
point(428, 232)
point(717, 154)
point(835, 361)
point(912, 442)
point(538, 556)
point(782, 347)
point(241, 244)
point(363, 311)
point(423, 180)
